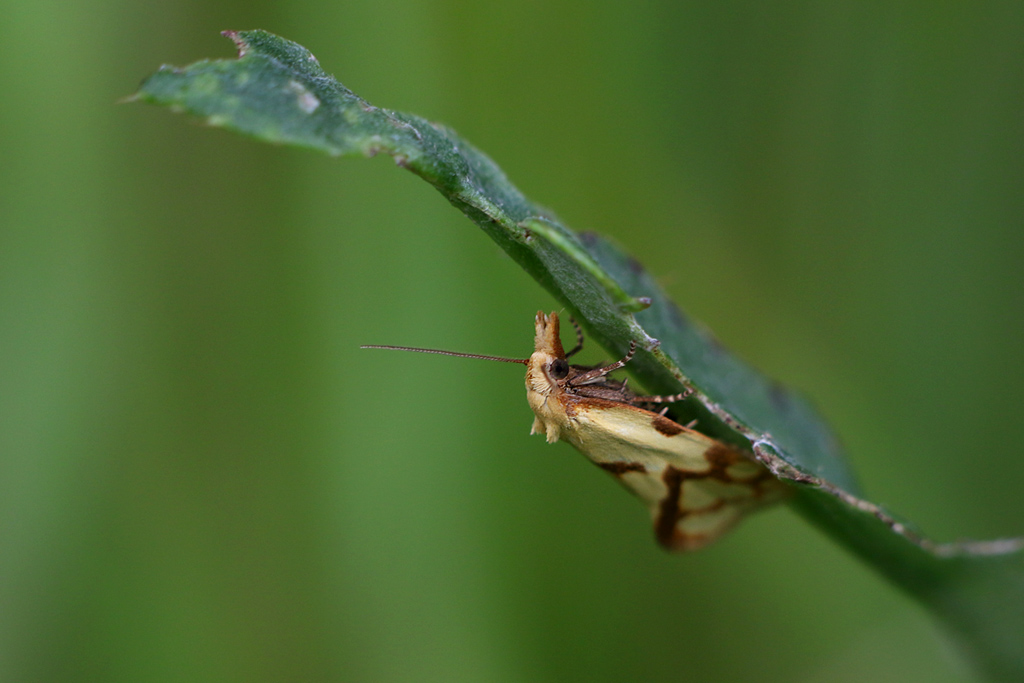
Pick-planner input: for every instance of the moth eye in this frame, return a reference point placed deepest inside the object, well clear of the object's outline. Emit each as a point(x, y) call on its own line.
point(559, 368)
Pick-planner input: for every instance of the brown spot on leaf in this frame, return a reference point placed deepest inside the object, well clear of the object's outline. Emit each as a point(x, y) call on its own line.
point(716, 346)
point(779, 396)
point(666, 426)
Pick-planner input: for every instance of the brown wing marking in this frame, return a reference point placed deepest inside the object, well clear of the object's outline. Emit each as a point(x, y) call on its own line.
point(668, 511)
point(620, 467)
point(666, 426)
point(701, 506)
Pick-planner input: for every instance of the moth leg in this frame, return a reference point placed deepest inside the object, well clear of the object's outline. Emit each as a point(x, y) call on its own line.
point(579, 338)
point(596, 374)
point(664, 399)
point(691, 424)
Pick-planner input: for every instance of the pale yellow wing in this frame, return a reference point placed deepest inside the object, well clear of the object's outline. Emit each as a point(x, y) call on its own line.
point(695, 487)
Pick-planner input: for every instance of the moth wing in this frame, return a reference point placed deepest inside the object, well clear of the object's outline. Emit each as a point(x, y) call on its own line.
point(609, 432)
point(695, 487)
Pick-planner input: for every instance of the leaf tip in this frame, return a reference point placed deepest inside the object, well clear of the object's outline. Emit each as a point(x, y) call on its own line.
point(236, 38)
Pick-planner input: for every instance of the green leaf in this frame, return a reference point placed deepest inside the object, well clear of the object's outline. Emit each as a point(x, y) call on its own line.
point(276, 91)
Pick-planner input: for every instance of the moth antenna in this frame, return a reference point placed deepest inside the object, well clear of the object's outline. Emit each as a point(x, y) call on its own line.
point(521, 361)
point(579, 338)
point(597, 373)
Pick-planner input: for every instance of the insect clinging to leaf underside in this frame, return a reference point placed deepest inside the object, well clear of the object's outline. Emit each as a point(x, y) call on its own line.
point(695, 487)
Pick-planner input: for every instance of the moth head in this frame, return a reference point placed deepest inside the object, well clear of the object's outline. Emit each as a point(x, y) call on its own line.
point(547, 368)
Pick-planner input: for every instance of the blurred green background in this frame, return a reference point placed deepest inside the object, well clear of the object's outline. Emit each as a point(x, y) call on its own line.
point(203, 478)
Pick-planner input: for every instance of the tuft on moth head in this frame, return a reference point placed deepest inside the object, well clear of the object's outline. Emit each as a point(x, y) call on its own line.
point(545, 367)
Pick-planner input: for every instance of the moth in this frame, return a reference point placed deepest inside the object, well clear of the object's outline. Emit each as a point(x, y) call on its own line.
point(695, 487)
